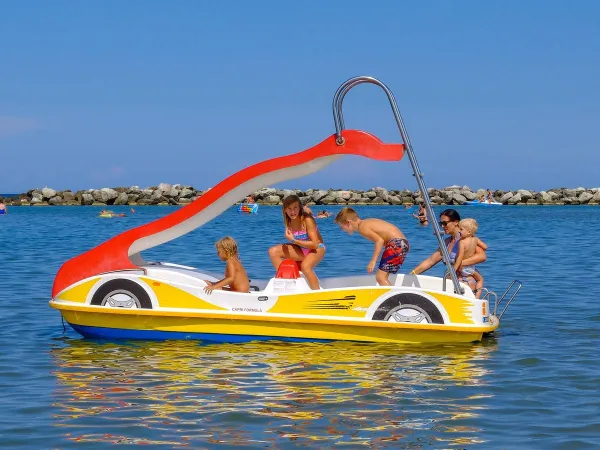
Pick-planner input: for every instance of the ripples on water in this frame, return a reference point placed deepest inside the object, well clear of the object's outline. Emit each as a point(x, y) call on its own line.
point(533, 385)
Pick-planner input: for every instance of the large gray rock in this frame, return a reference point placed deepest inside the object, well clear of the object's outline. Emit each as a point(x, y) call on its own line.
point(285, 193)
point(369, 194)
point(105, 195)
point(171, 193)
point(468, 194)
point(132, 197)
point(344, 195)
point(146, 194)
point(110, 193)
point(164, 187)
point(506, 197)
point(514, 199)
point(394, 200)
point(87, 198)
point(571, 201)
point(157, 197)
point(546, 197)
point(525, 195)
point(584, 197)
point(307, 200)
point(122, 199)
point(67, 196)
point(271, 200)
point(48, 193)
point(356, 198)
point(56, 200)
point(381, 193)
point(265, 192)
point(318, 195)
point(457, 199)
point(186, 193)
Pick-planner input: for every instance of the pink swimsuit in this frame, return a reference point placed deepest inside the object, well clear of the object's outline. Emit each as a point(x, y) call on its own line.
point(302, 235)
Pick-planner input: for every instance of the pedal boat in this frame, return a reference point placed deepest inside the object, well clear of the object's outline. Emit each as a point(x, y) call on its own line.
point(111, 292)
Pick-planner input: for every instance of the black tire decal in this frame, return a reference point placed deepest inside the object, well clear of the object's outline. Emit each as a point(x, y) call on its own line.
point(408, 299)
point(137, 294)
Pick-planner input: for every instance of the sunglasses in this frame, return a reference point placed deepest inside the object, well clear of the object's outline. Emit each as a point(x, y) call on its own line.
point(443, 223)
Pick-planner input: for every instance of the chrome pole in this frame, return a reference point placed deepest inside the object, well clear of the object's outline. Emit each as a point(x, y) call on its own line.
point(338, 120)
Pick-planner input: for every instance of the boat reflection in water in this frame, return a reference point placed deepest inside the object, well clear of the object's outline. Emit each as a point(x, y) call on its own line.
point(269, 393)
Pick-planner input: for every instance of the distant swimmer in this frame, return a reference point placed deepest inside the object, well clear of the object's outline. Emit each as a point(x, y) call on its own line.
point(421, 214)
point(3, 209)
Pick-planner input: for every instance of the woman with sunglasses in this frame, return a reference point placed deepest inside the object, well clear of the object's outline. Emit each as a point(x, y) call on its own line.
point(449, 220)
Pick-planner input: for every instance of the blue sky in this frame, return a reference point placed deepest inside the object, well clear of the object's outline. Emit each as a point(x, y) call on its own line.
point(96, 94)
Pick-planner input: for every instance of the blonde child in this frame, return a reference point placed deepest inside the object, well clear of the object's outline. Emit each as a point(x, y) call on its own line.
point(235, 274)
point(385, 235)
point(467, 246)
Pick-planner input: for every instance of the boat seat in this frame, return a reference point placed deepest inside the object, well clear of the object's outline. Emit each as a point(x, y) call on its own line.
point(288, 269)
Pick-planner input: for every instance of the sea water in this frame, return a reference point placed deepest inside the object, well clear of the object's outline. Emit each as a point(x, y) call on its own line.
point(534, 384)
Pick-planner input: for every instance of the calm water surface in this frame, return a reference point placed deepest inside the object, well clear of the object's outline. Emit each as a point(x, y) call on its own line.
point(533, 385)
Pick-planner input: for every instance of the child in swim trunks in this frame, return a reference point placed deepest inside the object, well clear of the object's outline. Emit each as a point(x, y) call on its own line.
point(466, 248)
point(385, 235)
point(235, 274)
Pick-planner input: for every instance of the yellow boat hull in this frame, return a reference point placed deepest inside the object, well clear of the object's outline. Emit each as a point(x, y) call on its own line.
point(140, 324)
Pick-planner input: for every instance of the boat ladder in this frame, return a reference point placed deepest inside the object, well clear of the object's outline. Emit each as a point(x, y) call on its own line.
point(514, 287)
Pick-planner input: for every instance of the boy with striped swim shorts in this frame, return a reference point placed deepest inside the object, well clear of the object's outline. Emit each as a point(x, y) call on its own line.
point(385, 235)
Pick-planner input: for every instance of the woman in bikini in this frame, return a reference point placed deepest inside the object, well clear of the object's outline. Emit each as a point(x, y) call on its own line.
point(306, 243)
point(421, 215)
point(449, 220)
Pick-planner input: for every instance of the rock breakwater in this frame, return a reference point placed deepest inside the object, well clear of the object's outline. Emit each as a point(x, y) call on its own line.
point(176, 194)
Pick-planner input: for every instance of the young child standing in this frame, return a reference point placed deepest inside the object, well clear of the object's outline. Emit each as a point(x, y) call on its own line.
point(235, 274)
point(466, 248)
point(385, 235)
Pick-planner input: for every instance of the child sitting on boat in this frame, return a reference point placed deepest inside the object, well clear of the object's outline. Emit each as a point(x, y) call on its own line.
point(306, 243)
point(466, 248)
point(235, 275)
point(385, 235)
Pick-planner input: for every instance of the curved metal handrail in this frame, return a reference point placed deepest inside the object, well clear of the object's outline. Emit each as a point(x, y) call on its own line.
point(338, 120)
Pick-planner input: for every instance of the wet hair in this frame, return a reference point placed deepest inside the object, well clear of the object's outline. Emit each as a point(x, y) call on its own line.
point(469, 224)
point(289, 201)
point(229, 246)
point(346, 214)
point(451, 214)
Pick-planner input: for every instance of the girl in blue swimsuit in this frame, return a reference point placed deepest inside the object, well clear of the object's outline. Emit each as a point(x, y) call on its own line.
point(306, 243)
